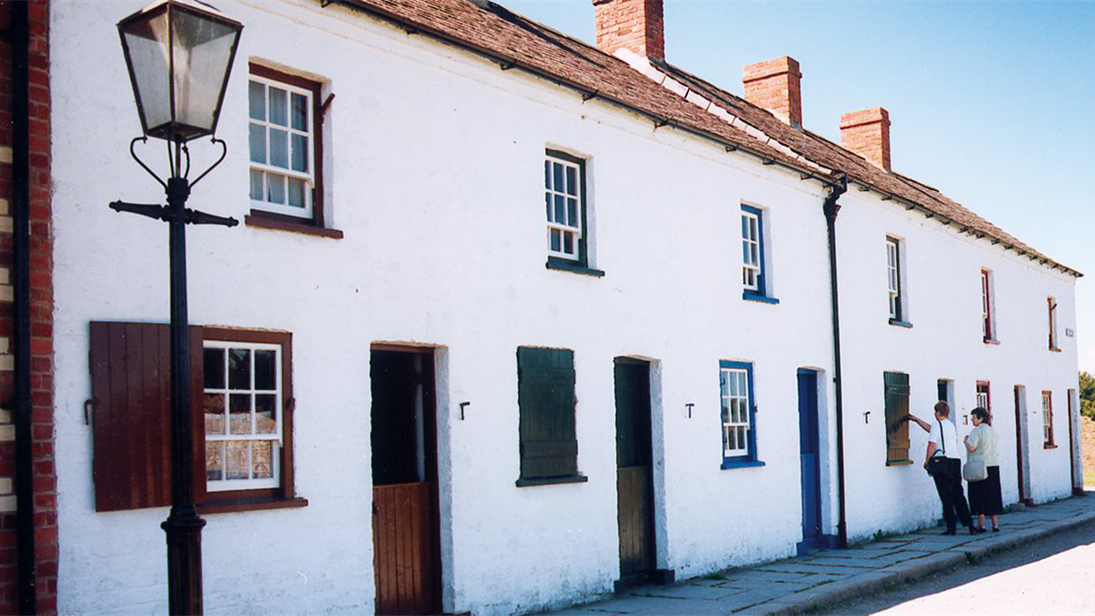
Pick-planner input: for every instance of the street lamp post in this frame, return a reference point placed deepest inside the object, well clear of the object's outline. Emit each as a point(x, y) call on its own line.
point(179, 54)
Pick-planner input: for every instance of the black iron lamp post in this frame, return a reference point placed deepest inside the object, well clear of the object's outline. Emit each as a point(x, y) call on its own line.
point(179, 54)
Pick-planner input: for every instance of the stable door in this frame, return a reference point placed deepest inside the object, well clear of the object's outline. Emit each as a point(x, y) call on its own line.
point(634, 470)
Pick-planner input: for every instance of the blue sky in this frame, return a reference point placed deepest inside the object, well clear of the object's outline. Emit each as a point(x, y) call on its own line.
point(991, 102)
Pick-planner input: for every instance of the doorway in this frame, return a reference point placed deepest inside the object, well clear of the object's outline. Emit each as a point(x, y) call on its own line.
point(1022, 461)
point(634, 471)
point(406, 522)
point(809, 440)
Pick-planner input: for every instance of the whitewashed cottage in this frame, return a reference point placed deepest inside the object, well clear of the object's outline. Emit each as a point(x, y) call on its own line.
point(511, 319)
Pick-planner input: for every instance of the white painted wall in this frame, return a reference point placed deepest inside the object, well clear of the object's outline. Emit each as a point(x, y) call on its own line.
point(434, 167)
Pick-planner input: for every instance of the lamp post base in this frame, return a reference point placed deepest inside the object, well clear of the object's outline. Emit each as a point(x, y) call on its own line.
point(184, 554)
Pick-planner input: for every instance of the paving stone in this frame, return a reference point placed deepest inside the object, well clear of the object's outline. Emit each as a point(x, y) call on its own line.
point(693, 592)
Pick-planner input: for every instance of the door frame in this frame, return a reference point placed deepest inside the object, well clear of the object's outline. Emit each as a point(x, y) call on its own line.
point(440, 522)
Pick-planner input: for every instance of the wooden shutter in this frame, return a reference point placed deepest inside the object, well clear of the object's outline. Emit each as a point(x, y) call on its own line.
point(897, 409)
point(130, 388)
point(545, 384)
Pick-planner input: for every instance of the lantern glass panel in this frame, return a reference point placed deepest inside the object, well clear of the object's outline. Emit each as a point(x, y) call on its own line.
point(146, 46)
point(202, 49)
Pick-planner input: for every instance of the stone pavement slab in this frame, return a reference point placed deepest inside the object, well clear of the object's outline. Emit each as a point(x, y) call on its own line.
point(795, 585)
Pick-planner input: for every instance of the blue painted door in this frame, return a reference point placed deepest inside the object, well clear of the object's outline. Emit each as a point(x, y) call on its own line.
point(808, 451)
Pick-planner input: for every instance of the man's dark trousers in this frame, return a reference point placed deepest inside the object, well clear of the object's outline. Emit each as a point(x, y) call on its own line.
point(949, 486)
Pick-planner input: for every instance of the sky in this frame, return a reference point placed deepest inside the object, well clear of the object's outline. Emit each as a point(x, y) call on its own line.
point(990, 102)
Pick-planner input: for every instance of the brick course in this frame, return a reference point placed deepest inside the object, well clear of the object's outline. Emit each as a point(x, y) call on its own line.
point(41, 287)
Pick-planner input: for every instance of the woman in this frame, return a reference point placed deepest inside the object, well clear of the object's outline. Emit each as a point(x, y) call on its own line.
point(943, 441)
point(985, 498)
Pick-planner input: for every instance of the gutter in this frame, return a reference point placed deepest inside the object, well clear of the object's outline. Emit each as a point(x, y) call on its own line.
point(509, 63)
point(20, 213)
point(831, 208)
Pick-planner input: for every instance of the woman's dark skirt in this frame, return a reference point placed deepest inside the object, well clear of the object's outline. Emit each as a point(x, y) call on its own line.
point(985, 498)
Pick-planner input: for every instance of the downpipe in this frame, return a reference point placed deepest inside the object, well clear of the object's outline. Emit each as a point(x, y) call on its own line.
point(831, 208)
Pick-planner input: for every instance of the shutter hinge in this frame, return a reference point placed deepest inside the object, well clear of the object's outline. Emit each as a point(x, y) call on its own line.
point(89, 409)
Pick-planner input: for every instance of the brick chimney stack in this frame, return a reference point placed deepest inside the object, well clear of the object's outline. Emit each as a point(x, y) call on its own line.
point(631, 24)
point(867, 133)
point(776, 85)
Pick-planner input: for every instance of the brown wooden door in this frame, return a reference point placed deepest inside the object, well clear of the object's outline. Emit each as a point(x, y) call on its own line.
point(634, 474)
point(406, 542)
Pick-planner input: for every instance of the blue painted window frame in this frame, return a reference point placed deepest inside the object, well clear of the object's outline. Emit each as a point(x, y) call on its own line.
point(750, 458)
point(762, 294)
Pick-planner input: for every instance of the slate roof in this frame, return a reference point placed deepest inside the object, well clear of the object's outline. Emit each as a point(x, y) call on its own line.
point(516, 42)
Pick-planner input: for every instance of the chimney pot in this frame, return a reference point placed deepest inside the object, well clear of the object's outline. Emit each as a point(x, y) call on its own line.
point(867, 133)
point(636, 25)
point(776, 85)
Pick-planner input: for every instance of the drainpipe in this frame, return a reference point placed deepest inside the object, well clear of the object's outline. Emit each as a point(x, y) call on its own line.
point(20, 213)
point(831, 209)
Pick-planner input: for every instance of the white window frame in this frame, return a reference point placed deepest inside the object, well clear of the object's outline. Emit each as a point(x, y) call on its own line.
point(574, 229)
point(736, 409)
point(893, 278)
point(988, 316)
point(751, 272)
point(308, 178)
point(277, 442)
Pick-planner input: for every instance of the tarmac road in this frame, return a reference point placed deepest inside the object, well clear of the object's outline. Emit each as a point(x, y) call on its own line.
point(1054, 575)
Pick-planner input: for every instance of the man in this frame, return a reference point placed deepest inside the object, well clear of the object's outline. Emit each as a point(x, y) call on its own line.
point(942, 436)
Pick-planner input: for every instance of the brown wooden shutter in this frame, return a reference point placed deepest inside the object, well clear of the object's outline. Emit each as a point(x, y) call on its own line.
point(897, 409)
point(545, 383)
point(130, 388)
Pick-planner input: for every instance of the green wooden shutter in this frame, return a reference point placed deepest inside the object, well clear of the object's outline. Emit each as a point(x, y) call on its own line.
point(897, 409)
point(545, 385)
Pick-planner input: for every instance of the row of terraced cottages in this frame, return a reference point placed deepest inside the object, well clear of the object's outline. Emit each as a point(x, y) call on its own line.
point(511, 319)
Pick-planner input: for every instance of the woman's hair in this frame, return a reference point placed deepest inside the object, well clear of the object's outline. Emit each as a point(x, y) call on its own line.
point(981, 414)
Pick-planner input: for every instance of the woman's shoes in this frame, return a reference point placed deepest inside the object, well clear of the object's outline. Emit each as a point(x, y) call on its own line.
point(995, 529)
point(976, 531)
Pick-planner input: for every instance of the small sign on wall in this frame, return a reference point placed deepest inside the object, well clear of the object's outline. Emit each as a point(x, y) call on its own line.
point(1069, 332)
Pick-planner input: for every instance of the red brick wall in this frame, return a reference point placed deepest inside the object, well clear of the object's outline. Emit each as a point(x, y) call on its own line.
point(867, 133)
point(41, 283)
point(776, 85)
point(633, 24)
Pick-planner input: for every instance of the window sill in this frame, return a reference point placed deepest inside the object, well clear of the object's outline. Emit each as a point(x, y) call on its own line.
point(899, 462)
point(764, 299)
point(564, 266)
point(233, 506)
point(548, 481)
point(1054, 349)
point(728, 464)
point(1049, 446)
point(260, 220)
point(991, 341)
point(899, 323)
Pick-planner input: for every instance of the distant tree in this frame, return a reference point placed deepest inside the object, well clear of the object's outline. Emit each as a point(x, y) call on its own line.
point(1087, 394)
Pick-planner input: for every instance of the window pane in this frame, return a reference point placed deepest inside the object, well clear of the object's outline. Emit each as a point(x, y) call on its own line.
point(300, 153)
point(266, 419)
point(256, 185)
point(560, 209)
point(262, 459)
point(213, 360)
point(572, 181)
point(279, 148)
point(257, 143)
point(547, 205)
point(572, 213)
point(278, 107)
point(214, 461)
point(214, 414)
point(568, 243)
point(236, 459)
point(275, 188)
point(547, 174)
point(554, 239)
point(725, 412)
point(265, 370)
point(299, 112)
point(256, 97)
point(239, 413)
point(557, 172)
point(296, 192)
point(239, 369)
